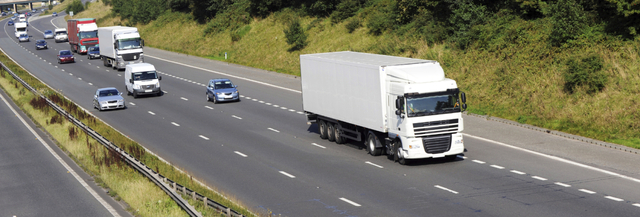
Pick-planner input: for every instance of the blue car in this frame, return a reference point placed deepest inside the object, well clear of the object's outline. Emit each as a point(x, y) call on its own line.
point(222, 90)
point(93, 52)
point(10, 23)
point(65, 56)
point(41, 44)
point(54, 14)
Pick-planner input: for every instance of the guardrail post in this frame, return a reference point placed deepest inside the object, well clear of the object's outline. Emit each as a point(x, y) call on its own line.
point(193, 195)
point(184, 190)
point(174, 186)
point(205, 202)
point(228, 212)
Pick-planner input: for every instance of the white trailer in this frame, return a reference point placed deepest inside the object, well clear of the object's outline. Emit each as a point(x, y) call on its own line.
point(120, 46)
point(400, 106)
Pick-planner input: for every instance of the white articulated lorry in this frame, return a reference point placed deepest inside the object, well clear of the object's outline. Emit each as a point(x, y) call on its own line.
point(402, 107)
point(120, 46)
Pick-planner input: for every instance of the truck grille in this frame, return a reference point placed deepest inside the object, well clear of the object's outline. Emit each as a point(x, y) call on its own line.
point(435, 127)
point(437, 144)
point(131, 57)
point(148, 87)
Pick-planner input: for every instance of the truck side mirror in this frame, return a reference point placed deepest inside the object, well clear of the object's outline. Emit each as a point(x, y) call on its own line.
point(464, 106)
point(160, 77)
point(142, 43)
point(130, 80)
point(463, 97)
point(115, 45)
point(398, 112)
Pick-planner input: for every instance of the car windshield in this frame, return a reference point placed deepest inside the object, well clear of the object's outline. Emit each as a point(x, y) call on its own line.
point(66, 52)
point(422, 105)
point(222, 85)
point(138, 76)
point(110, 92)
point(23, 35)
point(41, 41)
point(94, 49)
point(129, 43)
point(92, 34)
point(48, 32)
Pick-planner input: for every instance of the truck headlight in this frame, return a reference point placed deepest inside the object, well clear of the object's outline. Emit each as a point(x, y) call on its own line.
point(415, 146)
point(136, 86)
point(158, 84)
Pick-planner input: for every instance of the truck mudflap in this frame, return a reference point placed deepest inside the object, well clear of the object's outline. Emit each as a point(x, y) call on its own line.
point(415, 148)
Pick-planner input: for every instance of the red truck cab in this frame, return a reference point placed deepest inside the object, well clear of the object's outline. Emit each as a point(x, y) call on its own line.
point(83, 33)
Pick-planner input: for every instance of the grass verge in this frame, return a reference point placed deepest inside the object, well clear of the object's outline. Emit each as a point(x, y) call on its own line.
point(143, 197)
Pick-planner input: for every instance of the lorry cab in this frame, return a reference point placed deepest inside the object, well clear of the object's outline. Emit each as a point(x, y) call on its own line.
point(142, 79)
point(20, 28)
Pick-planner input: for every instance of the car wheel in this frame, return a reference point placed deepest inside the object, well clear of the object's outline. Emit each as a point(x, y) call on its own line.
point(215, 99)
point(59, 61)
point(372, 140)
point(330, 132)
point(322, 127)
point(208, 99)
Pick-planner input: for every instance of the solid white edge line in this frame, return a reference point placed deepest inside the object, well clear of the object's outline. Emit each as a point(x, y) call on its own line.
point(557, 158)
point(614, 198)
point(349, 201)
point(64, 164)
point(203, 137)
point(480, 162)
point(240, 153)
point(372, 164)
point(318, 145)
point(562, 184)
point(287, 174)
point(225, 74)
point(587, 191)
point(539, 178)
point(274, 130)
point(518, 172)
point(446, 189)
point(497, 167)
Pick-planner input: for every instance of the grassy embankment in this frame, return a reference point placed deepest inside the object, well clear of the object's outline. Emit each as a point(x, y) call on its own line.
point(510, 71)
point(124, 183)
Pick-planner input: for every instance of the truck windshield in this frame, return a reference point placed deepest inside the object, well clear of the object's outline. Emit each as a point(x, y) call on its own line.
point(91, 34)
point(61, 33)
point(139, 76)
point(22, 29)
point(432, 104)
point(128, 43)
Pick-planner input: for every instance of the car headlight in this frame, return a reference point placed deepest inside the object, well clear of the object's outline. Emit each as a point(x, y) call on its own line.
point(121, 100)
point(219, 93)
point(103, 102)
point(235, 92)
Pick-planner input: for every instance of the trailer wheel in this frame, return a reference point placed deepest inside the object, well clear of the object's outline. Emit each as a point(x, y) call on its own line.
point(372, 141)
point(331, 136)
point(397, 154)
point(322, 127)
point(336, 133)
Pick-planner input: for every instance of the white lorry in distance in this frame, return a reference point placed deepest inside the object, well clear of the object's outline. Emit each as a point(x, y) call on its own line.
point(60, 35)
point(402, 107)
point(20, 28)
point(142, 79)
point(120, 46)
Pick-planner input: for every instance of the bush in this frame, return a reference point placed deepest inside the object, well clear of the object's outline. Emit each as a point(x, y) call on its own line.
point(568, 18)
point(296, 36)
point(352, 25)
point(585, 73)
point(464, 15)
point(344, 10)
point(75, 6)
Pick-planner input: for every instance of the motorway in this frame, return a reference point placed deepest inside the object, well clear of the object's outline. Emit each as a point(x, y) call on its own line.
point(38, 179)
point(262, 153)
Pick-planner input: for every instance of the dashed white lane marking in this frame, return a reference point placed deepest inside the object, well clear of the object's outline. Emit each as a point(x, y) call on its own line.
point(556, 158)
point(562, 184)
point(463, 157)
point(175, 124)
point(236, 117)
point(185, 99)
point(637, 204)
point(248, 97)
point(497, 167)
point(132, 103)
point(372, 164)
point(587, 191)
point(446, 189)
point(480, 162)
point(91, 84)
point(89, 63)
point(291, 110)
point(165, 91)
point(518, 172)
point(150, 112)
point(79, 78)
point(300, 113)
point(97, 66)
point(118, 74)
point(203, 137)
point(267, 103)
point(287, 174)
point(614, 198)
point(242, 96)
point(349, 201)
point(56, 66)
point(274, 130)
point(276, 106)
point(240, 153)
point(254, 100)
point(539, 178)
point(261, 101)
point(206, 106)
point(62, 70)
point(318, 145)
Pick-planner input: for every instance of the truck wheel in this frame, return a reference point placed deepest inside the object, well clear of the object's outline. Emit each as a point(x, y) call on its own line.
point(336, 133)
point(372, 140)
point(322, 127)
point(104, 61)
point(397, 155)
point(331, 136)
point(135, 95)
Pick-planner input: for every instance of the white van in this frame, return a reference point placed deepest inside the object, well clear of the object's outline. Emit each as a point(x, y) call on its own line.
point(142, 79)
point(20, 28)
point(60, 35)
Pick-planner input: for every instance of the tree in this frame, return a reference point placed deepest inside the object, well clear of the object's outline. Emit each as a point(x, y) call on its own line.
point(568, 20)
point(296, 36)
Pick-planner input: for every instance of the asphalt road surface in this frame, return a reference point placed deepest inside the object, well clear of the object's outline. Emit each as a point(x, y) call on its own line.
point(261, 151)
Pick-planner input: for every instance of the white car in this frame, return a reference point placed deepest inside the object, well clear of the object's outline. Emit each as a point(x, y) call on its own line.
point(23, 38)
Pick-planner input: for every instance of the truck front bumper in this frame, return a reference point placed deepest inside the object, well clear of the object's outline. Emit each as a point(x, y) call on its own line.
point(457, 147)
point(121, 64)
point(156, 91)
